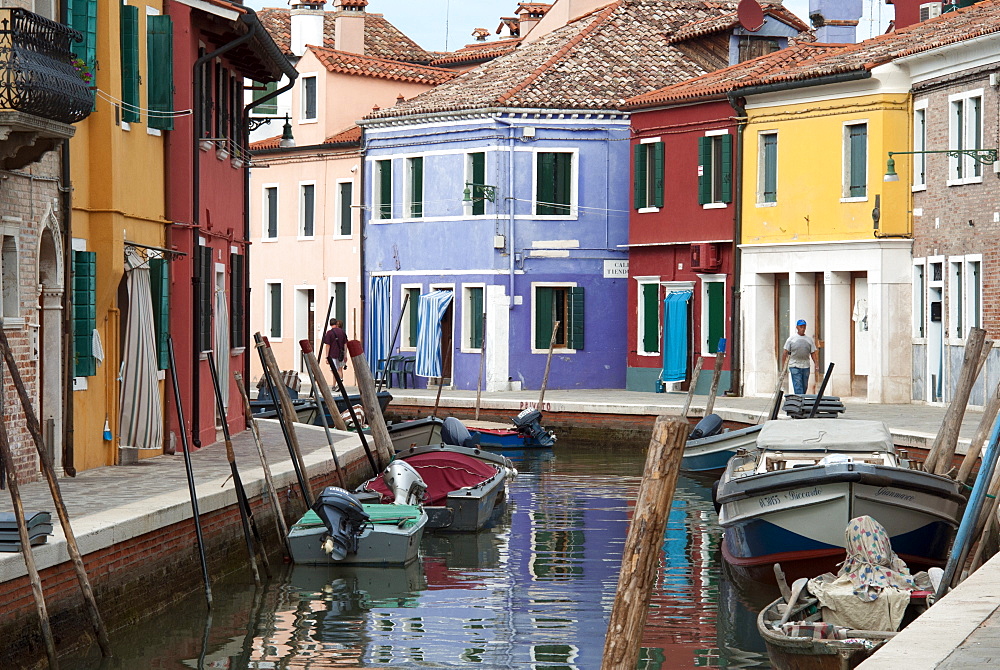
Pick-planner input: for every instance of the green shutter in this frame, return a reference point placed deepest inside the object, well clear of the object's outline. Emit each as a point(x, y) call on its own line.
point(160, 70)
point(658, 174)
point(639, 185)
point(130, 62)
point(705, 170)
point(411, 307)
point(770, 181)
point(385, 189)
point(205, 290)
point(160, 288)
point(543, 317)
point(271, 195)
point(340, 301)
point(716, 312)
point(858, 135)
point(308, 210)
point(83, 17)
point(727, 167)
point(545, 192)
point(650, 318)
point(237, 301)
point(563, 183)
point(274, 296)
point(269, 107)
point(478, 177)
point(346, 198)
point(576, 314)
point(416, 187)
point(84, 312)
point(476, 317)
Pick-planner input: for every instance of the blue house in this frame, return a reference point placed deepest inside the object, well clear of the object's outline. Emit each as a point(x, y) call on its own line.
point(496, 205)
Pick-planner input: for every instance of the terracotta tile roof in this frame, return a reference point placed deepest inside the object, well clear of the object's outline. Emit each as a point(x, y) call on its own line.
point(715, 24)
point(534, 7)
point(351, 136)
point(594, 62)
point(471, 53)
point(365, 66)
point(382, 39)
point(269, 143)
point(809, 61)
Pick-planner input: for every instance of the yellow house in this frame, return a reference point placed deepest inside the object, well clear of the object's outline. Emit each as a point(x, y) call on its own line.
point(118, 232)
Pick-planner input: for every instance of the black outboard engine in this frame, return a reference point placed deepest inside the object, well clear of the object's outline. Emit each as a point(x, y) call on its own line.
point(528, 423)
point(344, 518)
point(710, 425)
point(454, 432)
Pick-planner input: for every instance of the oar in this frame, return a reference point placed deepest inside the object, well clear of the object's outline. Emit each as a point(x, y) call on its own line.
point(190, 472)
point(246, 516)
point(796, 591)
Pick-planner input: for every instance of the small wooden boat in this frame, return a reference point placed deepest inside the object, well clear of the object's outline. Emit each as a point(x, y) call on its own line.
point(415, 433)
point(711, 454)
point(305, 408)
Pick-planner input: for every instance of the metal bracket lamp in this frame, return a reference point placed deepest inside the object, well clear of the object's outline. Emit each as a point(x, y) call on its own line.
point(483, 191)
point(287, 140)
point(983, 156)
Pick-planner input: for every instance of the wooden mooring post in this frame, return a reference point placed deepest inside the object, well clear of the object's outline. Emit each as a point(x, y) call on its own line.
point(641, 555)
point(942, 452)
point(694, 383)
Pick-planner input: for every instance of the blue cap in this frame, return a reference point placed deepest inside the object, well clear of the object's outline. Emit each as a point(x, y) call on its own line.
point(800, 322)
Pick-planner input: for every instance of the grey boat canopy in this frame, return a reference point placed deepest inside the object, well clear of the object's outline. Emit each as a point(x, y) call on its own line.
point(825, 435)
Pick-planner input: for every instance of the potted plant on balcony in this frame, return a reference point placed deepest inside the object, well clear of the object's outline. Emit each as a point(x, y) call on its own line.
point(83, 71)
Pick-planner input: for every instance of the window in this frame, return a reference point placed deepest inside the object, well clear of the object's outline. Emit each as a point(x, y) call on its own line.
point(713, 313)
point(767, 168)
point(957, 317)
point(752, 47)
point(273, 309)
point(160, 71)
point(648, 183)
point(649, 317)
point(475, 173)
point(270, 107)
point(920, 144)
point(204, 291)
point(83, 17)
point(383, 188)
point(307, 210)
point(474, 313)
point(715, 169)
point(159, 280)
point(8, 278)
point(973, 293)
point(345, 197)
point(415, 187)
point(84, 313)
point(408, 338)
point(554, 183)
point(237, 301)
point(129, 21)
point(965, 132)
point(562, 304)
point(856, 160)
point(919, 304)
point(270, 213)
point(308, 104)
point(338, 291)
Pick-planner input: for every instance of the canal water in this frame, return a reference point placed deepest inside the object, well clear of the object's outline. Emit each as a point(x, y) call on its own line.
point(533, 592)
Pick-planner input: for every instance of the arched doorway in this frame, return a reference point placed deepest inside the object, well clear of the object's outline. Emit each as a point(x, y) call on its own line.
point(49, 342)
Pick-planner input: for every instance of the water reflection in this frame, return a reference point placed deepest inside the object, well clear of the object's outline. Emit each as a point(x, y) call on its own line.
point(533, 592)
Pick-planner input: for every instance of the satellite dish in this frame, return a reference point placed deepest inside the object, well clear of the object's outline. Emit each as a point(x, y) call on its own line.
point(750, 14)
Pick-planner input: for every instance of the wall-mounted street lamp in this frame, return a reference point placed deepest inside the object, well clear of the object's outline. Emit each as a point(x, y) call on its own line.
point(984, 156)
point(287, 140)
point(479, 192)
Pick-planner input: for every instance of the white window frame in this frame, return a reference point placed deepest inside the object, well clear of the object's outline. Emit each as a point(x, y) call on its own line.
point(919, 182)
point(467, 179)
point(846, 161)
point(973, 313)
point(340, 208)
point(920, 312)
point(10, 273)
point(408, 194)
point(548, 284)
point(302, 209)
point(964, 136)
point(265, 211)
point(404, 324)
point(716, 204)
point(376, 213)
point(955, 296)
point(642, 282)
point(268, 306)
point(574, 198)
point(650, 175)
point(331, 294)
point(302, 97)
point(761, 165)
point(467, 347)
point(703, 317)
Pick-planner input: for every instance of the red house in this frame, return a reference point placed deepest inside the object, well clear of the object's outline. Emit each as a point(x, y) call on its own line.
point(217, 46)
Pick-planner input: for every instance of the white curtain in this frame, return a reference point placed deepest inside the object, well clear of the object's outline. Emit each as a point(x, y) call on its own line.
point(141, 421)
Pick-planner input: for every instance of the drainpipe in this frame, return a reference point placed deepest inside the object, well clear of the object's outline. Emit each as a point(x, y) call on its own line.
point(362, 236)
point(736, 366)
point(511, 201)
point(66, 202)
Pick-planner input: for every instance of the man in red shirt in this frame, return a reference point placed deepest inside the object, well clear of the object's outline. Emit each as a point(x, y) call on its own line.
point(335, 340)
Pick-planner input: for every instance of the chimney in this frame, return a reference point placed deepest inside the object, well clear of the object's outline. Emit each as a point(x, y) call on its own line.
point(530, 13)
point(835, 21)
point(306, 24)
point(511, 24)
point(349, 29)
point(481, 34)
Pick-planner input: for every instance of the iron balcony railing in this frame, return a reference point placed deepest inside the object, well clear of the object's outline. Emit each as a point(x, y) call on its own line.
point(37, 75)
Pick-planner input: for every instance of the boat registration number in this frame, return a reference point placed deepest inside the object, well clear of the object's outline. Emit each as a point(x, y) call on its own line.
point(794, 495)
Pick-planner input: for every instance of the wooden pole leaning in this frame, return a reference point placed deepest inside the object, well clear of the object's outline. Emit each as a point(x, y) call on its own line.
point(643, 543)
point(979, 439)
point(316, 373)
point(694, 383)
point(548, 362)
point(369, 400)
point(942, 453)
point(279, 517)
point(720, 357)
point(326, 325)
point(29, 558)
point(445, 363)
point(50, 478)
point(311, 367)
point(372, 461)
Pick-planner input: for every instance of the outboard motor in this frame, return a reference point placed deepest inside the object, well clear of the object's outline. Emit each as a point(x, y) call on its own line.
point(454, 432)
point(405, 482)
point(710, 425)
point(528, 423)
point(344, 518)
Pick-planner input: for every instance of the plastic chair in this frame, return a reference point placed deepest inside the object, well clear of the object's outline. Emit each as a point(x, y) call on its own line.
point(402, 367)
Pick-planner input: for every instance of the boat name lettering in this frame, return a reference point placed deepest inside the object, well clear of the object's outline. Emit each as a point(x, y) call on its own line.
point(769, 500)
point(889, 493)
point(799, 495)
point(526, 404)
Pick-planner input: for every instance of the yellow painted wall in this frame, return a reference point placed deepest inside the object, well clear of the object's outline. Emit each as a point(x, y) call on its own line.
point(118, 194)
point(810, 187)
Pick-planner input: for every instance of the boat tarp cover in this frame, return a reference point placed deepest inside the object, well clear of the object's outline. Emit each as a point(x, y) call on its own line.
point(825, 435)
point(387, 514)
point(443, 472)
point(675, 336)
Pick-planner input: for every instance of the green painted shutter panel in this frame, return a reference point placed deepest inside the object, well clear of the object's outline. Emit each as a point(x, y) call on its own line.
point(543, 317)
point(476, 317)
point(385, 189)
point(658, 158)
point(205, 297)
point(130, 62)
point(269, 107)
point(84, 312)
point(346, 198)
point(160, 288)
point(716, 309)
point(160, 70)
point(859, 153)
point(727, 167)
point(639, 186)
point(411, 306)
point(545, 188)
point(83, 17)
point(340, 301)
point(705, 173)
point(478, 177)
point(237, 301)
point(563, 183)
point(275, 298)
point(576, 315)
point(770, 168)
point(417, 187)
point(650, 318)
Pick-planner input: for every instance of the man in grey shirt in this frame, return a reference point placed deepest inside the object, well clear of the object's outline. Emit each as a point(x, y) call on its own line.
point(799, 349)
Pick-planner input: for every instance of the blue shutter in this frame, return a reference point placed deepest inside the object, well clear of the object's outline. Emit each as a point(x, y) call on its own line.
point(84, 313)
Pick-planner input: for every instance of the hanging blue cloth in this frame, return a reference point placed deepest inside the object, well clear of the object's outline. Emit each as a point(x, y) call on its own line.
point(379, 324)
point(432, 307)
point(675, 336)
